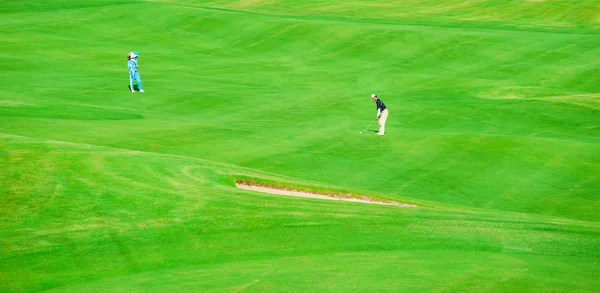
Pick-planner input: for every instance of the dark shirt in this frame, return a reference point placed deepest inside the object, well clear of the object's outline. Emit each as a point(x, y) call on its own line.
point(380, 105)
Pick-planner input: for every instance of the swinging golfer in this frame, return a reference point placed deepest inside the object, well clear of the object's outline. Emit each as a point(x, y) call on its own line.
point(132, 65)
point(382, 113)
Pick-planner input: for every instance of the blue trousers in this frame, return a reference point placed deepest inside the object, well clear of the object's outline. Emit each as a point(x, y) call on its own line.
point(136, 76)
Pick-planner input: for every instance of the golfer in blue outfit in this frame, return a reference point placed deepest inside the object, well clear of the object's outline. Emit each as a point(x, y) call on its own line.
point(132, 60)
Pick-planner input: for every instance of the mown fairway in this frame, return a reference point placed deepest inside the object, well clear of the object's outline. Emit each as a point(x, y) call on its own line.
point(494, 129)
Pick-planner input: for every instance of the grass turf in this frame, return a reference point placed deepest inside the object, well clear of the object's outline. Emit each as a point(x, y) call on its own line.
point(493, 126)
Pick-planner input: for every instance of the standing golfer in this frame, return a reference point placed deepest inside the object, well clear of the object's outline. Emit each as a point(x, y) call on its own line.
point(382, 113)
point(132, 65)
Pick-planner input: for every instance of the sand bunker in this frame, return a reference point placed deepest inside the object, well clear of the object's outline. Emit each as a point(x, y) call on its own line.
point(253, 186)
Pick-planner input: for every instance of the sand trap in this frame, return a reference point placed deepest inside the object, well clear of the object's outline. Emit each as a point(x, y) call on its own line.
point(299, 193)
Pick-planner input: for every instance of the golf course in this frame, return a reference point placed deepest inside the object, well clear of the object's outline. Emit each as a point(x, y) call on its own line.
point(492, 146)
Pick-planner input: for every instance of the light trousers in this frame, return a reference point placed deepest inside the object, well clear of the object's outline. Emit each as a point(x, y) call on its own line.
point(382, 119)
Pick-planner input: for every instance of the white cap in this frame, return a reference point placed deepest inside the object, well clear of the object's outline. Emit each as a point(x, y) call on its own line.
point(373, 95)
point(132, 55)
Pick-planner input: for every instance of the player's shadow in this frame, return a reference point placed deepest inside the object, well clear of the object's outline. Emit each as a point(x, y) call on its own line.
point(135, 87)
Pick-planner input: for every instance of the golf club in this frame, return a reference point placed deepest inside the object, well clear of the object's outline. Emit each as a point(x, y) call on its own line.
point(368, 126)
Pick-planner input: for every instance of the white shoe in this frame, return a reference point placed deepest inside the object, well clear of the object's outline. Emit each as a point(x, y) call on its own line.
point(141, 91)
point(379, 133)
point(132, 91)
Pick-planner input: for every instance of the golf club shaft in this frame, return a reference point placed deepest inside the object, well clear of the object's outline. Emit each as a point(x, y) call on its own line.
point(369, 126)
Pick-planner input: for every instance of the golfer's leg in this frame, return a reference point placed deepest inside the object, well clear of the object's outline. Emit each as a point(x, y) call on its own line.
point(382, 120)
point(139, 80)
point(131, 82)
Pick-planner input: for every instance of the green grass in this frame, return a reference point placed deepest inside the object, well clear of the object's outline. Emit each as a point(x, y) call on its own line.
point(493, 129)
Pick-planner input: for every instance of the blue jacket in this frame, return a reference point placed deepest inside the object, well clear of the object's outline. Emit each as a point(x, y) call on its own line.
point(132, 66)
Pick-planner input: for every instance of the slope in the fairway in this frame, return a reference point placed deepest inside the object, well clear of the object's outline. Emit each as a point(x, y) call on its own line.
point(533, 15)
point(494, 129)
